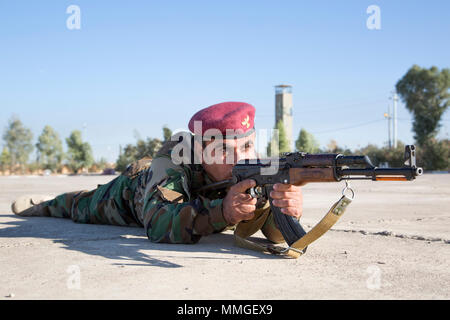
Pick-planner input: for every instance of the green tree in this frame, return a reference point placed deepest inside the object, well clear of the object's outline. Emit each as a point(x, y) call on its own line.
point(279, 143)
point(147, 148)
point(142, 149)
point(50, 152)
point(434, 155)
point(332, 147)
point(126, 156)
point(5, 159)
point(425, 93)
point(18, 141)
point(375, 154)
point(79, 152)
point(306, 142)
point(167, 133)
point(283, 142)
point(393, 156)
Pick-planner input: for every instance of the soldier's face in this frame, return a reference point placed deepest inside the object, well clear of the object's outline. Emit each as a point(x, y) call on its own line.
point(219, 157)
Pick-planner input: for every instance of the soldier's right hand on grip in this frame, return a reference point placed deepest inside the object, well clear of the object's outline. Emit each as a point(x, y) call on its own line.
point(237, 204)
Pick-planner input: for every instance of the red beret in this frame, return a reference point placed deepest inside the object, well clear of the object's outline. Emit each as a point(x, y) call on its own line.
point(237, 116)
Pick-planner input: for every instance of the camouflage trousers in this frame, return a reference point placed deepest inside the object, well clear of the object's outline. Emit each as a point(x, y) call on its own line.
point(114, 203)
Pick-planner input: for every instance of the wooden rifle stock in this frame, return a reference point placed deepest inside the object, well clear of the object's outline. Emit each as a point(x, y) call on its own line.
point(301, 176)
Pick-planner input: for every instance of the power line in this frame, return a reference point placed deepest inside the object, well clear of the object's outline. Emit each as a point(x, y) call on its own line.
point(313, 109)
point(345, 104)
point(362, 124)
point(350, 127)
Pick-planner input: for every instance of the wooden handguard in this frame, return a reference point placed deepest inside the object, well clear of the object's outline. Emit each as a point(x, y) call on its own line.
point(301, 176)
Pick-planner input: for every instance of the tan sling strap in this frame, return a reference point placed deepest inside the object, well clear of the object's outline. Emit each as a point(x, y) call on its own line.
point(244, 230)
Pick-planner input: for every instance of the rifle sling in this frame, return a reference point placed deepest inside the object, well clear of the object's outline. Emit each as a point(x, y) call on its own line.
point(299, 246)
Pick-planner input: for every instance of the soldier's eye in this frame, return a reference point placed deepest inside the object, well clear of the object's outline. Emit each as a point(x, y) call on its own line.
point(248, 146)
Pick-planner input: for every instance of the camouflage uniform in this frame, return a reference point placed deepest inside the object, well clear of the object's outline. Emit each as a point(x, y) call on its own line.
point(159, 196)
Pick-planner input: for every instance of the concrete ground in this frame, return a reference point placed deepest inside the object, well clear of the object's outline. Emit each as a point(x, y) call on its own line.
point(392, 243)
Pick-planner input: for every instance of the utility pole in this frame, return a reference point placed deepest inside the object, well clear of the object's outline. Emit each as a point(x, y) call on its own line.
point(395, 98)
point(389, 117)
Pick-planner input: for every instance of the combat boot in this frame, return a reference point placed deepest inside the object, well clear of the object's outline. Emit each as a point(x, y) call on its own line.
point(31, 206)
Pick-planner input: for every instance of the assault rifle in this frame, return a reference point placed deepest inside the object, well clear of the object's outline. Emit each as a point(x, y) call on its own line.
point(300, 168)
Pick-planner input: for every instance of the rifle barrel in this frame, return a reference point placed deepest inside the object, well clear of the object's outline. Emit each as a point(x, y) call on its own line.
point(408, 173)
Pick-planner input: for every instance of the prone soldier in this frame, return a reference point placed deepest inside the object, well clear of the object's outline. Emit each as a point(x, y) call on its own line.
point(162, 195)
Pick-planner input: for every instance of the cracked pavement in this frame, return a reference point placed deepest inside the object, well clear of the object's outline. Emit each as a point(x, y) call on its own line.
point(392, 243)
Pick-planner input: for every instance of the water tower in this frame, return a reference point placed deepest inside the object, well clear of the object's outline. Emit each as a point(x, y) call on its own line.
point(283, 109)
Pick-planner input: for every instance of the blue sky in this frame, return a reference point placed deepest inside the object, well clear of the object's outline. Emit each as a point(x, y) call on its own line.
point(135, 66)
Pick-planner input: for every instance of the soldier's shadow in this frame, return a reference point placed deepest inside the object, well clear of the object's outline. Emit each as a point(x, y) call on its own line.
point(125, 245)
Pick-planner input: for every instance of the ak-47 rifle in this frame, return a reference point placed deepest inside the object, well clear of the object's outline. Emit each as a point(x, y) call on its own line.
point(300, 168)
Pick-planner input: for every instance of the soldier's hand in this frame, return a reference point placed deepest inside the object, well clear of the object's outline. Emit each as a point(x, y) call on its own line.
point(289, 198)
point(238, 205)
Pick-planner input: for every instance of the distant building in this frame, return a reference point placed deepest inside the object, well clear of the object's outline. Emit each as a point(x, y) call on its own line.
point(283, 108)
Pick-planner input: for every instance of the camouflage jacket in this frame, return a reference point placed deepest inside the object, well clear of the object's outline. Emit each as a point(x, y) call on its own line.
point(170, 209)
